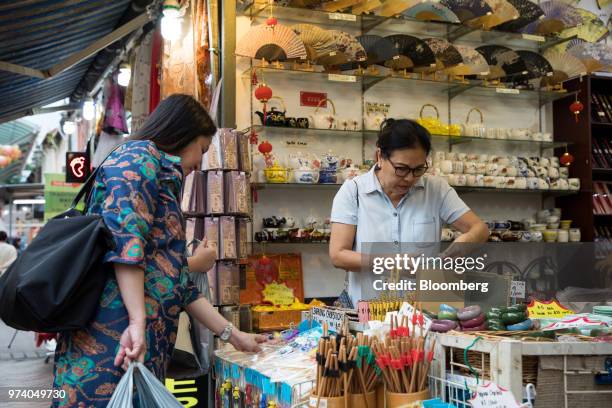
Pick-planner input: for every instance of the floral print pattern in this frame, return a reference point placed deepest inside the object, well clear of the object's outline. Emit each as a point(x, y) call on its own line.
point(136, 192)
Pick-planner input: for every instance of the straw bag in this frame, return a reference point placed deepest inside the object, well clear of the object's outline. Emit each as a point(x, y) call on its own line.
point(324, 120)
point(474, 129)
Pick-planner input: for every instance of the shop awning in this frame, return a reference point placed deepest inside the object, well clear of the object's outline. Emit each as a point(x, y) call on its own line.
point(49, 48)
point(21, 133)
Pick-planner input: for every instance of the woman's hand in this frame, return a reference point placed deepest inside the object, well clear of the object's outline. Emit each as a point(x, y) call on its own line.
point(132, 345)
point(203, 258)
point(246, 341)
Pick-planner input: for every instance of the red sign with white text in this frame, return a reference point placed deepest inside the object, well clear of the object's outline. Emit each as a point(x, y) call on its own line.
point(313, 99)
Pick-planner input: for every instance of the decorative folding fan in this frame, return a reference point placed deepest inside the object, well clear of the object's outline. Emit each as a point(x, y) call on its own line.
point(503, 11)
point(305, 3)
point(557, 17)
point(410, 52)
point(538, 67)
point(392, 8)
point(446, 54)
point(591, 29)
point(317, 40)
point(278, 43)
point(564, 65)
point(377, 48)
point(595, 57)
point(431, 11)
point(504, 61)
point(473, 62)
point(602, 4)
point(338, 5)
point(528, 13)
point(345, 49)
point(468, 9)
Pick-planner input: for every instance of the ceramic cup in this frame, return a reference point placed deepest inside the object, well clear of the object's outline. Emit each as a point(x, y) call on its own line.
point(469, 167)
point(503, 161)
point(542, 215)
point(452, 156)
point(446, 166)
point(472, 157)
point(528, 222)
point(527, 236)
point(562, 235)
point(574, 235)
point(547, 137)
point(502, 225)
point(552, 218)
point(508, 171)
point(481, 168)
point(573, 184)
point(536, 136)
point(556, 211)
point(552, 225)
point(550, 235)
point(483, 158)
point(563, 172)
point(460, 180)
point(461, 156)
point(471, 180)
point(554, 161)
point(521, 183)
point(536, 236)
point(458, 167)
point(532, 183)
point(510, 182)
point(543, 184)
point(553, 172)
point(439, 156)
point(565, 224)
point(492, 169)
point(500, 182)
point(544, 161)
point(489, 181)
point(563, 184)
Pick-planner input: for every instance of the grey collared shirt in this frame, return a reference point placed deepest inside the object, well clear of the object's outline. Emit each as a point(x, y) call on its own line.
point(419, 216)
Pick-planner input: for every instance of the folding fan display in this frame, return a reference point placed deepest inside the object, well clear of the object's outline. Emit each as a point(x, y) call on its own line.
point(595, 57)
point(392, 8)
point(528, 13)
point(304, 3)
point(502, 60)
point(591, 29)
point(557, 17)
point(345, 48)
point(431, 11)
point(377, 49)
point(317, 40)
point(564, 65)
point(277, 43)
point(473, 63)
point(537, 65)
point(410, 52)
point(468, 9)
point(503, 11)
point(446, 54)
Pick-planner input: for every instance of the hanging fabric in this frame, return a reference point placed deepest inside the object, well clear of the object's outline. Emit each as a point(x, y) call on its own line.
point(141, 73)
point(154, 81)
point(204, 78)
point(114, 116)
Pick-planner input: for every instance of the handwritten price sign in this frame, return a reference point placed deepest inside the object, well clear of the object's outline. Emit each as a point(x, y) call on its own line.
point(547, 310)
point(493, 396)
point(278, 294)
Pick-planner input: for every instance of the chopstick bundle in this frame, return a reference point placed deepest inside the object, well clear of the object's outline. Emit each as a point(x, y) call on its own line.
point(401, 357)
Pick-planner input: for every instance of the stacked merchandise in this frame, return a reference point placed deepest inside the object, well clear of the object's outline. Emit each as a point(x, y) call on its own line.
point(216, 203)
point(602, 153)
point(602, 204)
point(602, 107)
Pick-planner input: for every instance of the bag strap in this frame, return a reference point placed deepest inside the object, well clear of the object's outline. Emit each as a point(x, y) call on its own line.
point(88, 185)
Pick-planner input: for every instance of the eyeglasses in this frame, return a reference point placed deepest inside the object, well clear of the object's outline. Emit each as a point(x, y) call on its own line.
point(403, 171)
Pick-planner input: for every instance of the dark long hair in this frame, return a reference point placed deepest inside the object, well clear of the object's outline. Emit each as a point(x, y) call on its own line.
point(177, 121)
point(396, 134)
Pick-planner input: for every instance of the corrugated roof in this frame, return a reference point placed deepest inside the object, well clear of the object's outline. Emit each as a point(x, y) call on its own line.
point(21, 133)
point(41, 33)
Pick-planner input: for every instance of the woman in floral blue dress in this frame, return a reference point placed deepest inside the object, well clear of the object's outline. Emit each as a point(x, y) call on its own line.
point(137, 193)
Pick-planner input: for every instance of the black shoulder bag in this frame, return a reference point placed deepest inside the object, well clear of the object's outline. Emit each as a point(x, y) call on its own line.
point(56, 283)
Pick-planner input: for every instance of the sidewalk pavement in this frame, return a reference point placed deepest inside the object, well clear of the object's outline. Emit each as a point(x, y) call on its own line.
point(23, 366)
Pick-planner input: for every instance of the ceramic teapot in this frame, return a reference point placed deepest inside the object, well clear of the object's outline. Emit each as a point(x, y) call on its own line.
point(331, 162)
point(274, 117)
point(324, 120)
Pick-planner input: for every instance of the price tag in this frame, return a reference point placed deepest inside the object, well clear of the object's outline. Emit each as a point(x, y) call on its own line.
point(507, 91)
point(601, 114)
point(493, 396)
point(533, 37)
point(546, 310)
point(342, 17)
point(342, 78)
point(278, 294)
point(332, 54)
point(517, 289)
point(334, 318)
point(396, 57)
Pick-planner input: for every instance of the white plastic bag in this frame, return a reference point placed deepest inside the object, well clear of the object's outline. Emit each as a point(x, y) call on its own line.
point(151, 392)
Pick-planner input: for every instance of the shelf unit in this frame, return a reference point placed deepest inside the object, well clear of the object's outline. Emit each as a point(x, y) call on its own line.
point(259, 10)
point(580, 207)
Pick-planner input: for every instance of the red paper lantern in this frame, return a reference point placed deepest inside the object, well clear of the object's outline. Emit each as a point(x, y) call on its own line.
point(566, 159)
point(263, 93)
point(576, 107)
point(265, 147)
point(271, 21)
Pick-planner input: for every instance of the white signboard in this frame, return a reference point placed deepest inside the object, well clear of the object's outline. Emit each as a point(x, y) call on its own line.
point(517, 289)
point(334, 318)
